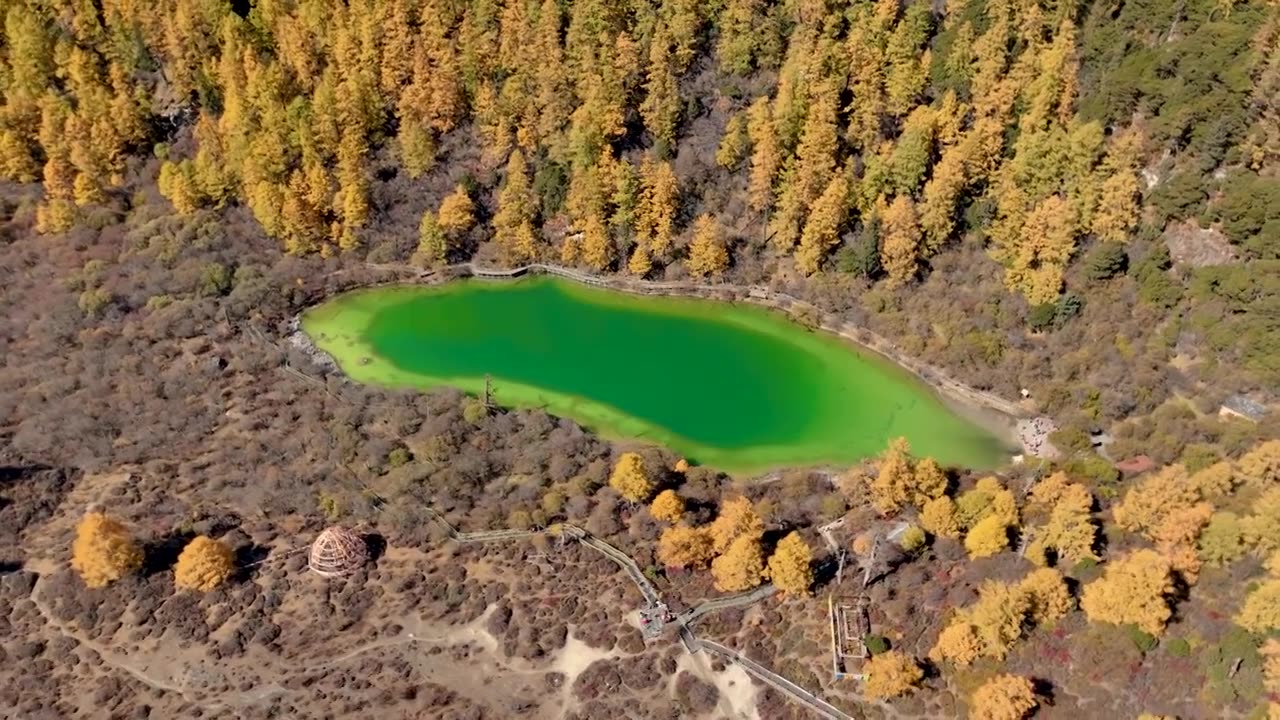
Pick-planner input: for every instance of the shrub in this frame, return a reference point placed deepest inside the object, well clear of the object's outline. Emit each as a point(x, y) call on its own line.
point(1178, 647)
point(912, 539)
point(398, 457)
point(204, 564)
point(1106, 261)
point(876, 644)
point(474, 410)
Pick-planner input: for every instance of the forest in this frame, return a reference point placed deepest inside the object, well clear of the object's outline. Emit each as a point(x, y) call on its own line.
point(995, 185)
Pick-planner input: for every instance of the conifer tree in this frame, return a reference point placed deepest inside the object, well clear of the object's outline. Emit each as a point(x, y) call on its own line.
point(789, 566)
point(432, 244)
point(661, 106)
point(1133, 589)
point(667, 507)
point(739, 25)
point(988, 537)
point(684, 547)
point(630, 478)
point(517, 206)
point(900, 240)
point(1047, 594)
point(822, 230)
point(891, 486)
point(890, 674)
point(737, 518)
point(741, 566)
point(203, 565)
point(734, 143)
point(103, 551)
point(655, 216)
point(766, 155)
point(1003, 697)
point(707, 253)
point(1260, 612)
point(457, 212)
point(938, 517)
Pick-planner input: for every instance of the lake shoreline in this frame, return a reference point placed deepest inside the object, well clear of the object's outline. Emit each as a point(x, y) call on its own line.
point(992, 413)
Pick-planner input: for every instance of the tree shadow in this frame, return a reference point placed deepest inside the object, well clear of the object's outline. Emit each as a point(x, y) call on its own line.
point(160, 555)
point(249, 557)
point(9, 567)
point(376, 544)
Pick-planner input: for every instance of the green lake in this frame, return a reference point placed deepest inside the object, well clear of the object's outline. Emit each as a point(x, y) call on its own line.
point(733, 386)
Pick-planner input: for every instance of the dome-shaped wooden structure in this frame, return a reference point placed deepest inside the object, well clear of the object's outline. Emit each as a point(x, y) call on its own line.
point(337, 552)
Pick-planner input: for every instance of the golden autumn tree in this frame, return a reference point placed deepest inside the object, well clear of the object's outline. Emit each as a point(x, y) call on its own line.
point(938, 517)
point(1134, 589)
point(667, 507)
point(630, 478)
point(457, 213)
point(655, 216)
point(683, 546)
point(928, 482)
point(203, 565)
point(103, 551)
point(889, 675)
point(517, 206)
point(957, 643)
point(660, 108)
point(891, 486)
point(737, 517)
point(1261, 465)
point(789, 565)
point(900, 238)
point(1047, 595)
point(988, 537)
point(766, 154)
point(1260, 612)
point(987, 628)
point(432, 244)
point(707, 253)
point(1068, 531)
point(822, 229)
point(734, 144)
point(1003, 697)
point(740, 567)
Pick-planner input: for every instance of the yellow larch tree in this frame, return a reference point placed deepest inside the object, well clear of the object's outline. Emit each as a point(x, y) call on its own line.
point(790, 565)
point(928, 482)
point(103, 551)
point(1134, 589)
point(737, 517)
point(707, 253)
point(988, 537)
point(889, 675)
point(938, 517)
point(1047, 594)
point(741, 566)
point(1003, 697)
point(987, 628)
point(457, 212)
point(683, 546)
point(1260, 612)
point(1068, 530)
point(957, 643)
point(766, 154)
point(900, 238)
point(667, 507)
point(822, 229)
point(630, 478)
point(655, 216)
point(203, 565)
point(433, 247)
point(1261, 465)
point(891, 485)
point(660, 108)
point(517, 206)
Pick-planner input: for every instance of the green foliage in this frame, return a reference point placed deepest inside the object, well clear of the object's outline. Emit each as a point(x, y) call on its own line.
point(1182, 195)
point(1106, 261)
point(1041, 316)
point(912, 539)
point(1143, 640)
point(1177, 647)
point(1250, 213)
point(215, 280)
point(876, 644)
point(329, 506)
point(1238, 311)
point(1198, 456)
point(398, 457)
point(551, 186)
point(1154, 284)
point(1091, 467)
point(861, 256)
point(93, 302)
point(474, 410)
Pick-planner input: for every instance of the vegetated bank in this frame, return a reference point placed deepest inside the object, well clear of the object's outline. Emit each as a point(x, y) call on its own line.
point(731, 386)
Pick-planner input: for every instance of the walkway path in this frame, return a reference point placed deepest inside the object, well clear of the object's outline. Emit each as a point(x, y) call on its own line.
point(653, 599)
point(793, 306)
